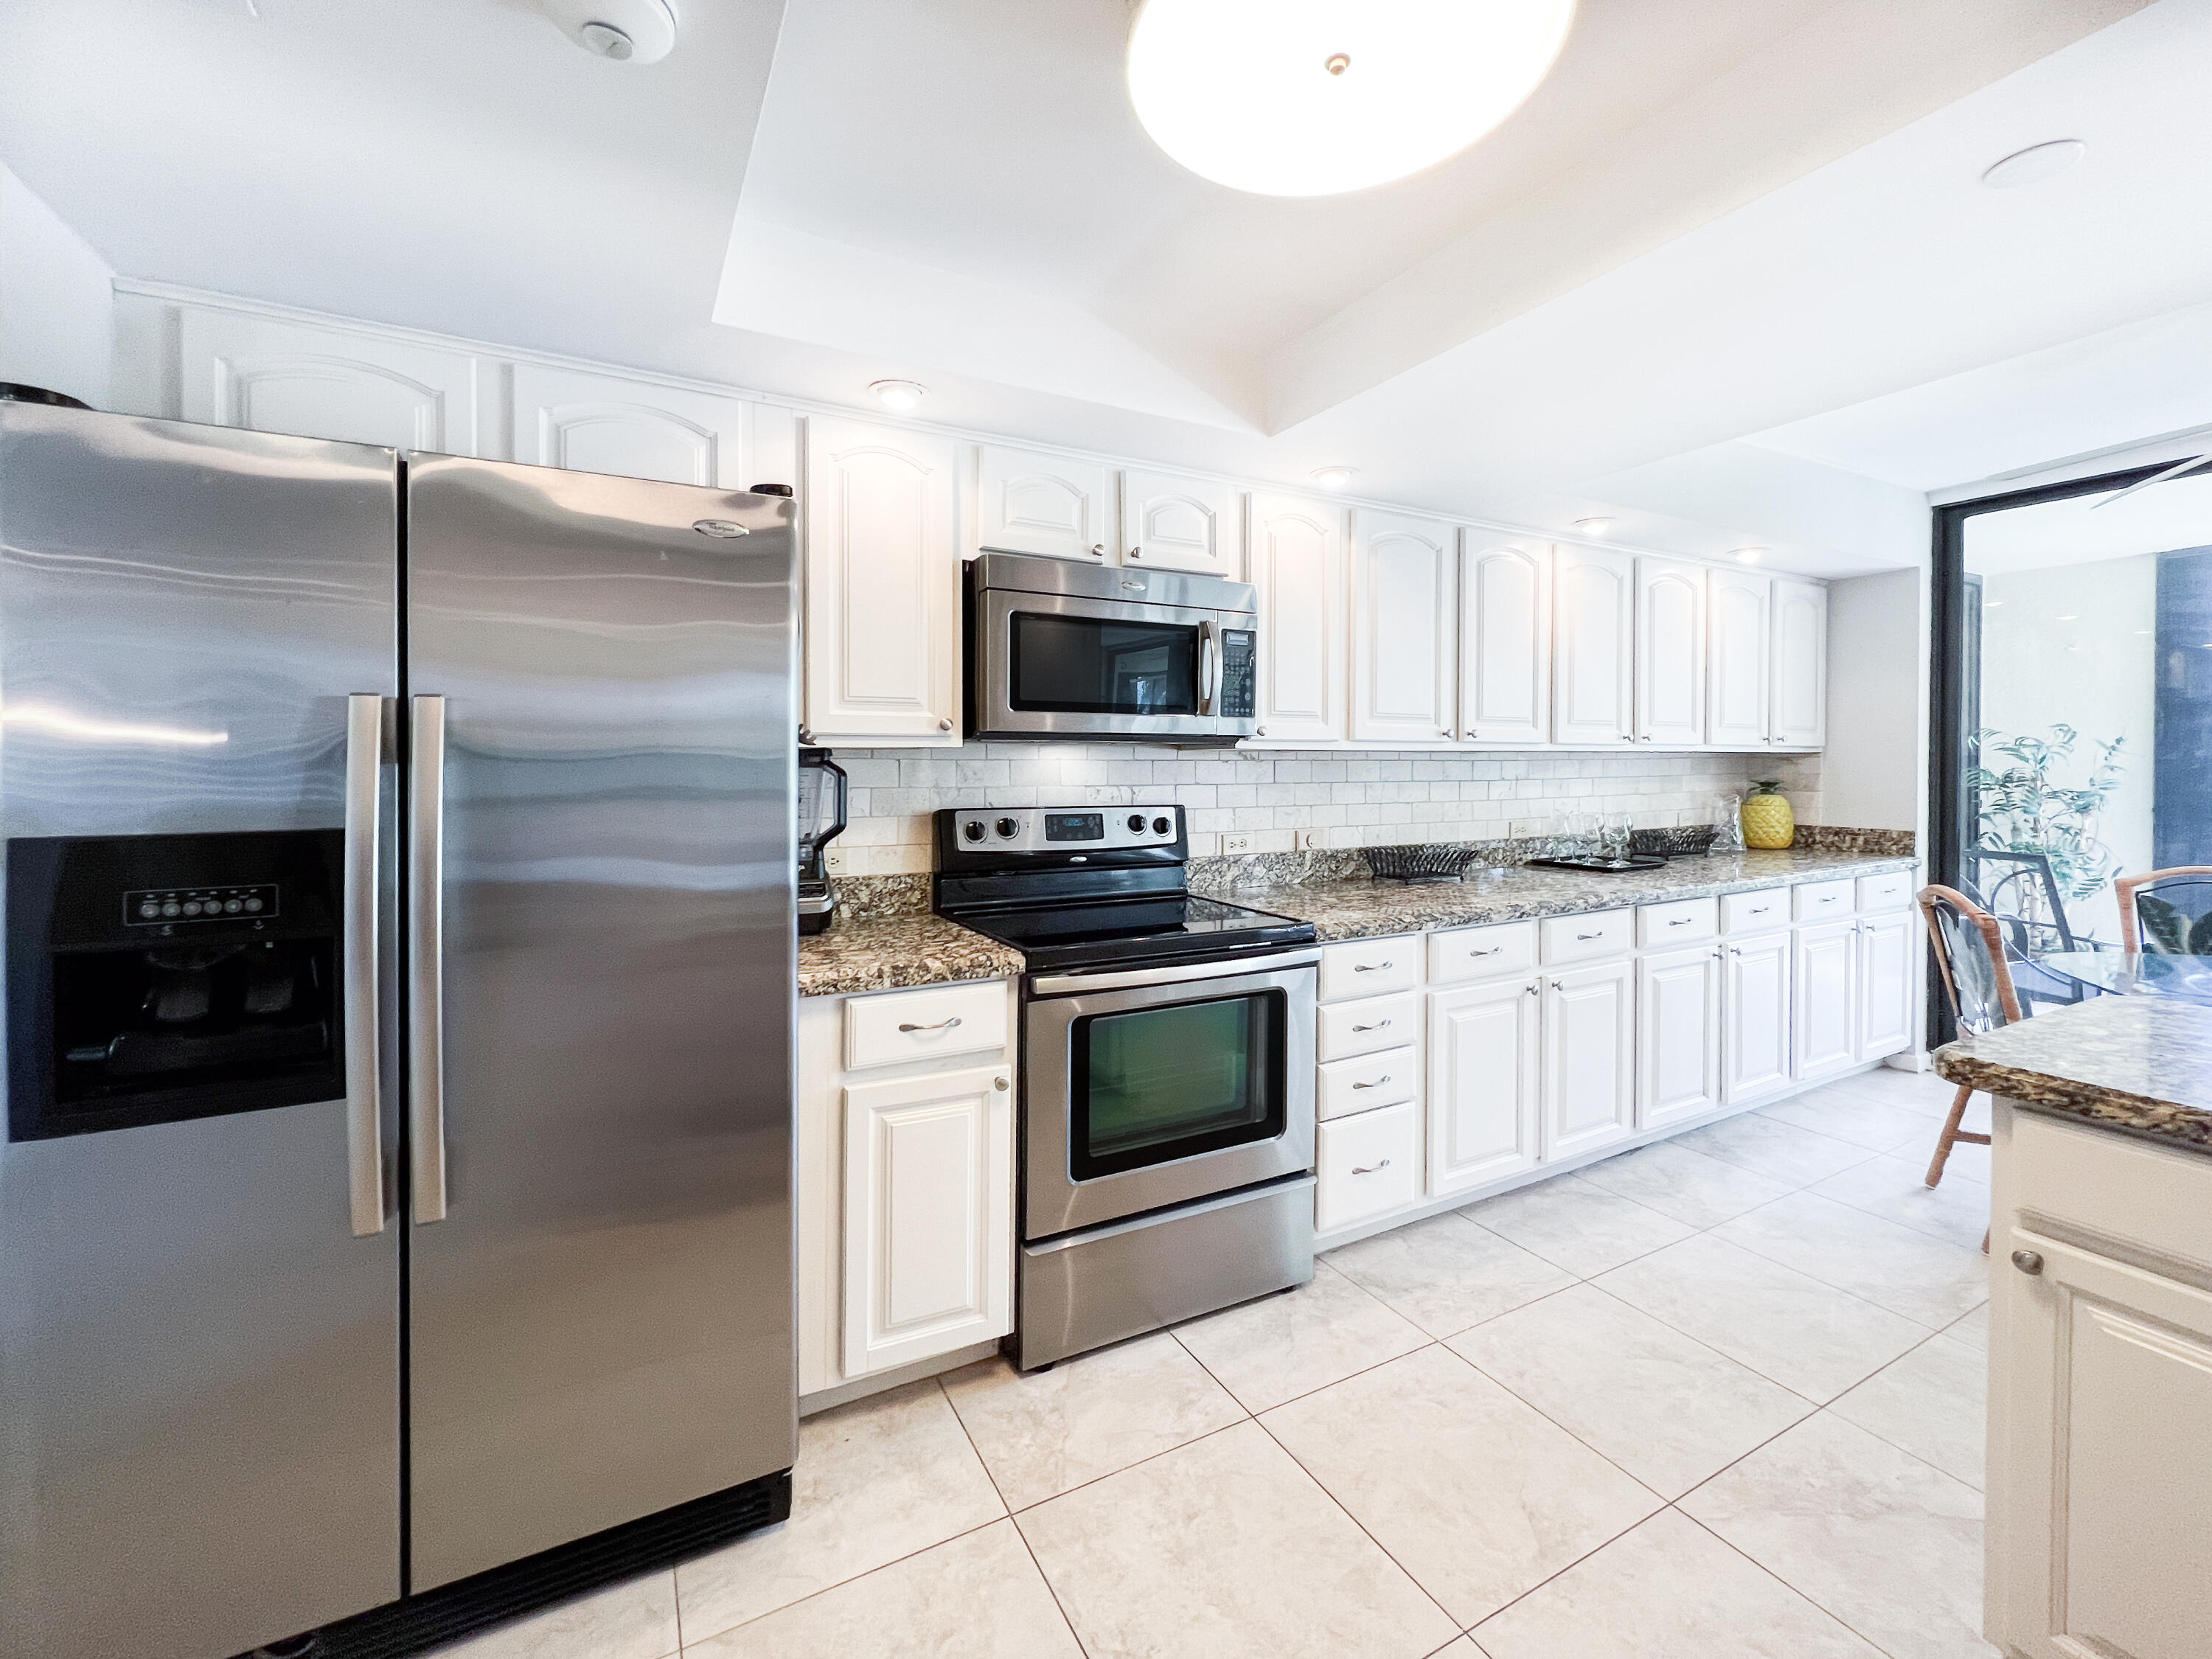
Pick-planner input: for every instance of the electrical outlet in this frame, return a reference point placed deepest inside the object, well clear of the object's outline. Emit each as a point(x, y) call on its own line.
point(1522, 828)
point(834, 858)
point(1231, 845)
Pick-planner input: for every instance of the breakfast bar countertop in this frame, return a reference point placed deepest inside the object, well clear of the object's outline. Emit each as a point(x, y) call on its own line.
point(2138, 1066)
point(1368, 909)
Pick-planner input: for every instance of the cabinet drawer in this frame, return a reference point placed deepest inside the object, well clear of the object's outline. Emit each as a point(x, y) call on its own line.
point(1755, 912)
point(942, 1019)
point(1361, 1028)
point(1509, 947)
point(1586, 938)
point(1823, 901)
point(1370, 967)
point(1367, 1165)
point(1366, 1082)
point(1893, 891)
point(1685, 921)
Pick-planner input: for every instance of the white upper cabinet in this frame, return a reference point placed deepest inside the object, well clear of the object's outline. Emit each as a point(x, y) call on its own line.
point(1171, 522)
point(1297, 562)
point(632, 428)
point(1800, 695)
point(1027, 502)
point(883, 580)
point(1670, 651)
point(1738, 607)
point(1592, 646)
point(1403, 628)
point(268, 376)
point(1506, 640)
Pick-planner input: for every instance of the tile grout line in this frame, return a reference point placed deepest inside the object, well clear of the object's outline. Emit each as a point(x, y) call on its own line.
point(1810, 1600)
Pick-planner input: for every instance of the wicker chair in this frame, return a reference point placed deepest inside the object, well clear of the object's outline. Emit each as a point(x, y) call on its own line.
point(2168, 911)
point(1970, 949)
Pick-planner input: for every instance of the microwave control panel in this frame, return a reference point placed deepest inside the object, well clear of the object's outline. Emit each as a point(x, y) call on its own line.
point(1239, 650)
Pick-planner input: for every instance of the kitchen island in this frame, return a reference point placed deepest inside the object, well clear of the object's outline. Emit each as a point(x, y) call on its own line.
point(2100, 1327)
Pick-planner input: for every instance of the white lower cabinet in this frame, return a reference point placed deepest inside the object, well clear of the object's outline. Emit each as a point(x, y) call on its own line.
point(1485, 1066)
point(1366, 1165)
point(1755, 1016)
point(1826, 981)
point(1589, 1037)
point(1678, 1035)
point(928, 1215)
point(1885, 987)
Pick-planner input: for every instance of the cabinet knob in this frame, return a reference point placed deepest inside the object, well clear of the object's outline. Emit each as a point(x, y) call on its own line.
point(944, 725)
point(1097, 549)
point(1259, 731)
point(2028, 1262)
point(1136, 552)
point(999, 1083)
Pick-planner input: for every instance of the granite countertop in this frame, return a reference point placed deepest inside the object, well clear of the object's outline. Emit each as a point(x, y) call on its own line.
point(1366, 910)
point(884, 952)
point(2138, 1066)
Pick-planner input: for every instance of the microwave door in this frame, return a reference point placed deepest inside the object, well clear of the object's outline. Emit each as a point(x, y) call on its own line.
point(1064, 665)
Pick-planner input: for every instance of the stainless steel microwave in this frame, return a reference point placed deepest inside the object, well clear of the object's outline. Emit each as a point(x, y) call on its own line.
point(1057, 649)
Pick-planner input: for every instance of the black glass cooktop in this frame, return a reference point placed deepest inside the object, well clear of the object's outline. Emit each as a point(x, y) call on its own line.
point(1154, 929)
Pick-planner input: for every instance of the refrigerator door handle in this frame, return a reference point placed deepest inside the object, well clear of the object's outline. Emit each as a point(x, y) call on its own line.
point(426, 879)
point(364, 1045)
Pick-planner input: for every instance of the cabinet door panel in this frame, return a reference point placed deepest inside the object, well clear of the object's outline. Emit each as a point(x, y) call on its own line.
point(882, 613)
point(634, 429)
point(2101, 1495)
point(1824, 985)
point(1403, 628)
point(1800, 664)
point(1053, 505)
point(265, 375)
point(1589, 1038)
point(928, 1217)
point(1886, 963)
point(1593, 641)
point(1670, 652)
point(1738, 606)
point(1297, 565)
point(1678, 1032)
point(1171, 522)
point(1485, 1061)
point(1506, 640)
point(1755, 1016)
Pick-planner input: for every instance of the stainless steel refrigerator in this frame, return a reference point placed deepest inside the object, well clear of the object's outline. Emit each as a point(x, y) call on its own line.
point(399, 969)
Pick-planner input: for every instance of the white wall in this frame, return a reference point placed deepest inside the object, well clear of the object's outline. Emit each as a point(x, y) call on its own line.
point(1874, 775)
point(55, 301)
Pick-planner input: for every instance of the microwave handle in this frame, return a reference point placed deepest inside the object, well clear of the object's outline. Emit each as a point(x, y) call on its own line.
point(1209, 667)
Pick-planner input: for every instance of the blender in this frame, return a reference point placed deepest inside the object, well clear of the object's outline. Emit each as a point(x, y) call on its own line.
point(821, 819)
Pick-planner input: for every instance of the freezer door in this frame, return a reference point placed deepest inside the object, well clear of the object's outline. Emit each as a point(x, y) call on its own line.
point(601, 901)
point(200, 1289)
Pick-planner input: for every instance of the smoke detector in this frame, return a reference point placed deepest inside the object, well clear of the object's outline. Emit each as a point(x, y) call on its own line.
point(623, 31)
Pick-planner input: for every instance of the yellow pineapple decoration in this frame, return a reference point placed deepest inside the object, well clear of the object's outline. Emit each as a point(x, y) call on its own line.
point(1767, 820)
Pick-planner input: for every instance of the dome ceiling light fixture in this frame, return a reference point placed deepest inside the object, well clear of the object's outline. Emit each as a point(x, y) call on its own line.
point(1596, 526)
point(1318, 97)
point(620, 31)
point(1334, 477)
point(899, 395)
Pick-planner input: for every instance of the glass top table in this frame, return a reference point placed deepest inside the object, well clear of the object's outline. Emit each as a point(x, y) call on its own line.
point(2135, 972)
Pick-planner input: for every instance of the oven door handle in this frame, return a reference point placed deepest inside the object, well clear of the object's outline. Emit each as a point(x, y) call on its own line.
point(1209, 667)
point(1068, 984)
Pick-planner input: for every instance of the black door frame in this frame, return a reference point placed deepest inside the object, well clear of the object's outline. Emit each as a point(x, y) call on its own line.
point(1947, 662)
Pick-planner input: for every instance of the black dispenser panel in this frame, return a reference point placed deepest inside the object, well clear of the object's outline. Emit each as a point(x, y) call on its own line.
point(157, 978)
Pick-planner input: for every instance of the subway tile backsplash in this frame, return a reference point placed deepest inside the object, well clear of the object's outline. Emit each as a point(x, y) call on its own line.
point(1281, 798)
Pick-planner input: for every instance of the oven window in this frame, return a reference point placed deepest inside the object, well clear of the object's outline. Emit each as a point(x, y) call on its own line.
point(1092, 665)
point(1159, 1084)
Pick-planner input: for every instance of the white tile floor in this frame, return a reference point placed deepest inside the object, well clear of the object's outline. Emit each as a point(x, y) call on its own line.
point(1722, 1396)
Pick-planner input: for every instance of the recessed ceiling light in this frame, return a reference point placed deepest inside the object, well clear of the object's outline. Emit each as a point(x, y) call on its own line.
point(1593, 527)
point(622, 31)
point(1316, 97)
point(2072, 618)
point(901, 395)
point(1749, 554)
point(1333, 477)
point(2034, 164)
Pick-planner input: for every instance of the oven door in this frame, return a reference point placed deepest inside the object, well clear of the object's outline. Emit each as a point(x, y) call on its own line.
point(1061, 666)
point(1157, 1087)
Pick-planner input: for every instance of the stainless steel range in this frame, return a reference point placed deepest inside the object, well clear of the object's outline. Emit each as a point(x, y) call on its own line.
point(1167, 1041)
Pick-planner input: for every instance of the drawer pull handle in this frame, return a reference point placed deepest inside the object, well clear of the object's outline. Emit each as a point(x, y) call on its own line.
point(1370, 967)
point(1488, 951)
point(1682, 922)
point(1762, 910)
point(1377, 1084)
point(1372, 1168)
point(1380, 1025)
point(1599, 934)
point(941, 1025)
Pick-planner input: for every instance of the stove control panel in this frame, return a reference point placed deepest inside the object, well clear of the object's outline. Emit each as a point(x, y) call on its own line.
point(1065, 829)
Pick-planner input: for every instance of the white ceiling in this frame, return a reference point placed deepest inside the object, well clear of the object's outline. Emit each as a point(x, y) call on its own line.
point(2165, 518)
point(1729, 275)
